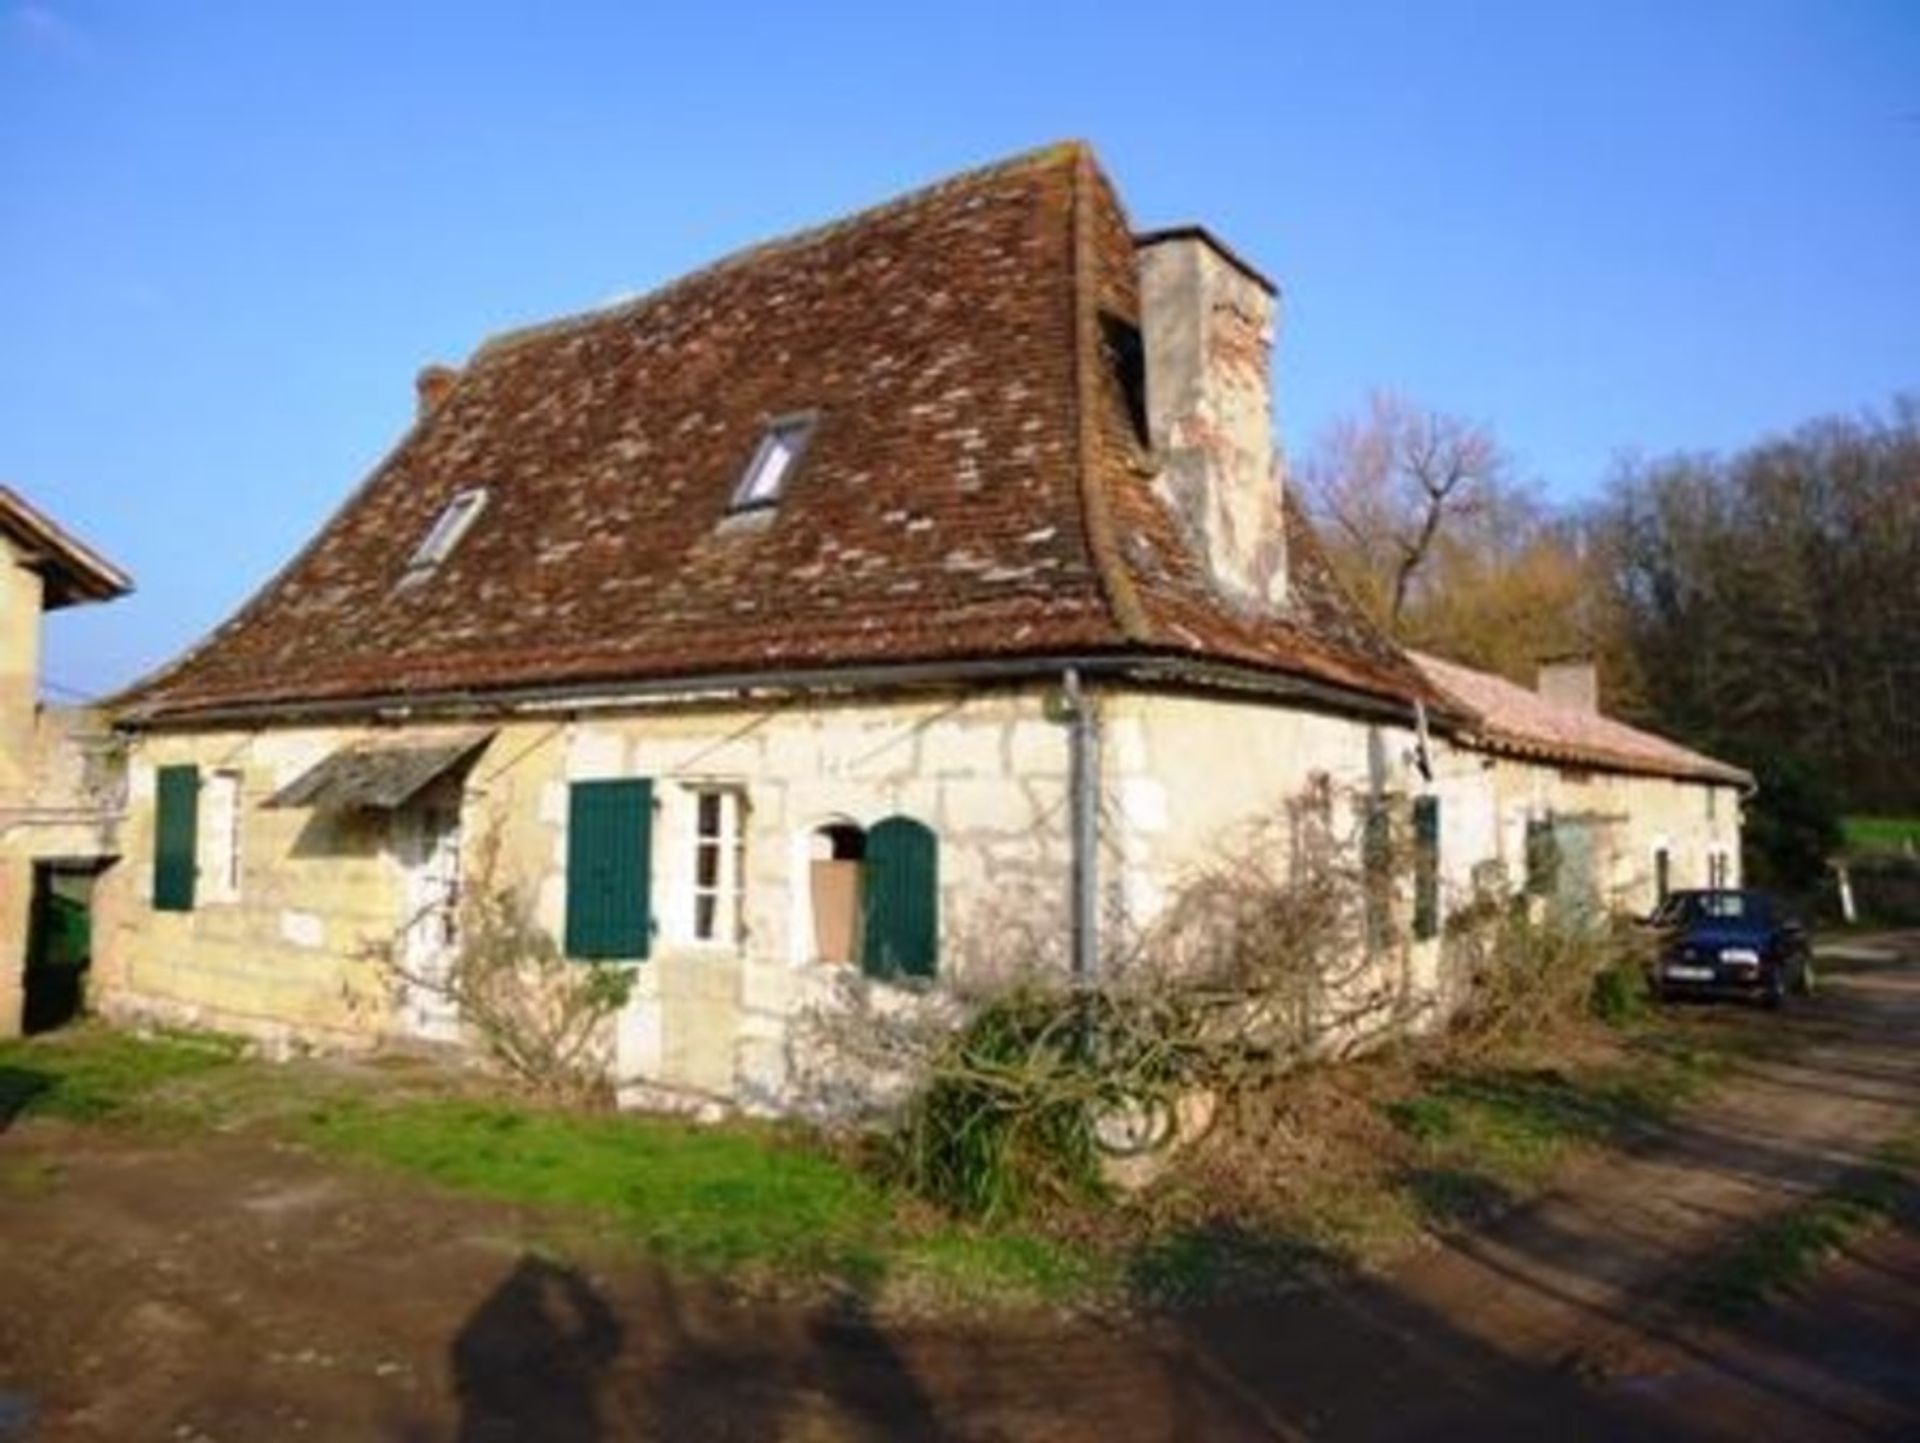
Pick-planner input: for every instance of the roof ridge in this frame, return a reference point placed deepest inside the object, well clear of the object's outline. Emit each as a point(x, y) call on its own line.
point(1672, 753)
point(1057, 152)
point(1115, 582)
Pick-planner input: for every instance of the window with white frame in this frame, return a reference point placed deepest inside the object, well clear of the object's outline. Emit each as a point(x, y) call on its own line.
point(719, 870)
point(219, 859)
point(774, 462)
point(453, 522)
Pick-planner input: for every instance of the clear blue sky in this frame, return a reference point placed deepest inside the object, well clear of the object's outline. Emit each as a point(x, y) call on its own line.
point(230, 233)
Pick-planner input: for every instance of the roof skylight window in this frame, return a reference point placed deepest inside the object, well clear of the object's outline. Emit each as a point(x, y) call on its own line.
point(773, 464)
point(448, 527)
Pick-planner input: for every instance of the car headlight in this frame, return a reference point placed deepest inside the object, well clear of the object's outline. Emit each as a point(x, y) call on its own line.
point(1744, 955)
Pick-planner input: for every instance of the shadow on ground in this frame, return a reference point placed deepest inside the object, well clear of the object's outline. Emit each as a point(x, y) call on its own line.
point(1566, 1319)
point(552, 1356)
point(19, 1086)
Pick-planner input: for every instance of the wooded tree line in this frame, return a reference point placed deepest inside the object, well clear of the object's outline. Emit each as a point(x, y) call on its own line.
point(1763, 606)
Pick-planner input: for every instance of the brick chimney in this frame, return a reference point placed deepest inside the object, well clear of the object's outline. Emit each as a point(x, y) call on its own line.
point(1206, 327)
point(431, 386)
point(1570, 681)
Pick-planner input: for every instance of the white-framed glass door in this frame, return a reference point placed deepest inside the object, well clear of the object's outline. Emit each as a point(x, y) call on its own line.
point(428, 844)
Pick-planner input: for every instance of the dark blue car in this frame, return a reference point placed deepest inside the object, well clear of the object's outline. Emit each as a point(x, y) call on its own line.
point(1730, 943)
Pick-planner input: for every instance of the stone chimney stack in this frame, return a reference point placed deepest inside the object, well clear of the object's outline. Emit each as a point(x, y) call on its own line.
point(1206, 328)
point(430, 388)
point(1570, 681)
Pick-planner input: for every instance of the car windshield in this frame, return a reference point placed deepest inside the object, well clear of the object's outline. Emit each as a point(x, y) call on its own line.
point(1685, 907)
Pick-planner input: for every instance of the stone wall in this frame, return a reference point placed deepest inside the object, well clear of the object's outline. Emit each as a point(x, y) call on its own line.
point(1184, 780)
point(20, 609)
point(285, 958)
point(59, 777)
point(1632, 817)
point(1195, 783)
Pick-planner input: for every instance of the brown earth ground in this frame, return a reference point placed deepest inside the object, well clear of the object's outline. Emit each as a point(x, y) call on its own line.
point(228, 1288)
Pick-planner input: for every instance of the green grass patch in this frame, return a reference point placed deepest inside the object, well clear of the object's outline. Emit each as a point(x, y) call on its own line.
point(757, 1202)
point(94, 1074)
point(1787, 1251)
point(736, 1198)
point(1881, 834)
point(984, 1268)
point(716, 1196)
point(1514, 1126)
point(1483, 1137)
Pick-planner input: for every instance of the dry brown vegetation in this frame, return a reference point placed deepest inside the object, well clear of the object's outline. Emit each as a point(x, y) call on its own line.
point(543, 1019)
point(1262, 1037)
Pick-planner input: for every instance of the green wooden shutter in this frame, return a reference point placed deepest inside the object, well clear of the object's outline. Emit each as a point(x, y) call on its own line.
point(1376, 858)
point(176, 835)
point(609, 869)
point(1543, 857)
point(1426, 866)
point(901, 899)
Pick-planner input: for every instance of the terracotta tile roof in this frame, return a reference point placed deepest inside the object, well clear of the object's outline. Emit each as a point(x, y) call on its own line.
point(73, 571)
point(1512, 719)
point(974, 488)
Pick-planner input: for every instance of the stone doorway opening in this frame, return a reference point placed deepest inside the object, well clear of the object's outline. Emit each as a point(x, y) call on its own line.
point(59, 943)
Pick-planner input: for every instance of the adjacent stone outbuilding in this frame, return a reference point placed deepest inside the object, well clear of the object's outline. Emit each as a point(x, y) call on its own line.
point(60, 773)
point(1616, 815)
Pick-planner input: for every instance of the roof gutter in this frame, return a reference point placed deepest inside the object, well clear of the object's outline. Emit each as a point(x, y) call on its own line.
point(737, 686)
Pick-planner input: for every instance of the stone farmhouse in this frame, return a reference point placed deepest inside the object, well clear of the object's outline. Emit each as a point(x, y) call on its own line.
point(900, 599)
point(60, 773)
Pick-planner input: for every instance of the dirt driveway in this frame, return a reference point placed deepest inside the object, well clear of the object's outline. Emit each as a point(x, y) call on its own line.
point(232, 1289)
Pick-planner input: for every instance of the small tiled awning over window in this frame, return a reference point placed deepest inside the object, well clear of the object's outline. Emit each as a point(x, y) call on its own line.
point(379, 775)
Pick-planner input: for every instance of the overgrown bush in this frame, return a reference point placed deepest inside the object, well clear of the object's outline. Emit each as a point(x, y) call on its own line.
point(1619, 995)
point(1292, 948)
point(1530, 978)
point(1025, 1102)
point(1267, 958)
point(999, 1125)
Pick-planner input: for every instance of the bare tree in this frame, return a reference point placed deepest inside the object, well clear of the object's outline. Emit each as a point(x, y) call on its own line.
point(1385, 484)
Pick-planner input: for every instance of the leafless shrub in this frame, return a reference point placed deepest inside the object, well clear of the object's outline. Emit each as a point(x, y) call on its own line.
point(1288, 947)
point(545, 1020)
point(1283, 947)
point(1529, 979)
